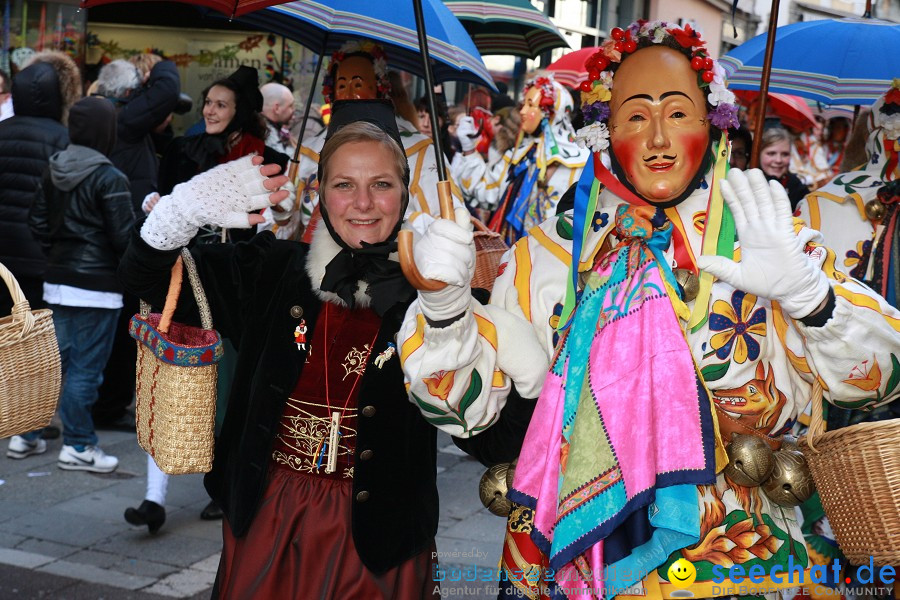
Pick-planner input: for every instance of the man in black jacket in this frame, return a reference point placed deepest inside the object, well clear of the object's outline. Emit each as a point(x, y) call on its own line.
point(82, 215)
point(42, 94)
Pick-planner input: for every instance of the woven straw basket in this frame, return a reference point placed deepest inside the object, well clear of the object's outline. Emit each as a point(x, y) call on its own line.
point(489, 249)
point(29, 365)
point(857, 473)
point(175, 411)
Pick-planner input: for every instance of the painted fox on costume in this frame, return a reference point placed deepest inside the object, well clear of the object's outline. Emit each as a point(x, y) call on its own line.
point(757, 403)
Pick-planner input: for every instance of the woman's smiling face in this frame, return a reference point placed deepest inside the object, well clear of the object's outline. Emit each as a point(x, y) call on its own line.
point(658, 126)
point(363, 192)
point(219, 109)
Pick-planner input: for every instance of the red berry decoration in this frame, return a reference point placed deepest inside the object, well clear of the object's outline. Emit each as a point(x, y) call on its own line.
point(593, 74)
point(602, 63)
point(617, 34)
point(586, 86)
point(697, 63)
point(707, 76)
point(619, 46)
point(708, 63)
point(630, 46)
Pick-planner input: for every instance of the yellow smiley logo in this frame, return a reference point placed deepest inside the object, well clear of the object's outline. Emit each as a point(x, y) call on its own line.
point(682, 573)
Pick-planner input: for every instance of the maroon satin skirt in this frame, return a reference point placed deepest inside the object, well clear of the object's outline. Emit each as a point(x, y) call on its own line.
point(300, 546)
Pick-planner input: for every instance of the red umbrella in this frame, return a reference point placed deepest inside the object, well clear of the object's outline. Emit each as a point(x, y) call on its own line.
point(569, 70)
point(232, 8)
point(793, 111)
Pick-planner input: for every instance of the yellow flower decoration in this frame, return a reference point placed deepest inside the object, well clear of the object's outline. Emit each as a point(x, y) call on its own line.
point(440, 384)
point(599, 93)
point(866, 378)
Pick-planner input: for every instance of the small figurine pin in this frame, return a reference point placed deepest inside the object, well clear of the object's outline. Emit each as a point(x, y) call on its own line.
point(300, 335)
point(386, 355)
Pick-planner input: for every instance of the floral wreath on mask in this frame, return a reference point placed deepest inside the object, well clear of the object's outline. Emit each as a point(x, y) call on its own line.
point(596, 91)
point(356, 47)
point(547, 103)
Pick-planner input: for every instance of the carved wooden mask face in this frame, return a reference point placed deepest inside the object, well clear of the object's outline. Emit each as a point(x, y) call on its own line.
point(355, 79)
point(658, 126)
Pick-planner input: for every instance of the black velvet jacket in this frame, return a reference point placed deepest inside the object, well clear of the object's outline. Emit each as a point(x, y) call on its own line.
point(253, 289)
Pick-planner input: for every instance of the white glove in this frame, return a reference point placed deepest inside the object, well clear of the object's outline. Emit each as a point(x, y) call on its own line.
point(446, 252)
point(773, 264)
point(221, 196)
point(149, 202)
point(465, 128)
point(282, 211)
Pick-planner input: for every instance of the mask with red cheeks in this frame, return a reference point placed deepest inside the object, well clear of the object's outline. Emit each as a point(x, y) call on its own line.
point(659, 132)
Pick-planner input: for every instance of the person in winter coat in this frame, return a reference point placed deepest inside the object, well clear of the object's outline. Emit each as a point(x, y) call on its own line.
point(145, 90)
point(42, 94)
point(144, 101)
point(82, 216)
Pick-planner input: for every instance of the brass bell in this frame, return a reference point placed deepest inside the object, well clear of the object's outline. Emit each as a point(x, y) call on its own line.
point(791, 483)
point(875, 210)
point(688, 282)
point(511, 474)
point(750, 460)
point(492, 490)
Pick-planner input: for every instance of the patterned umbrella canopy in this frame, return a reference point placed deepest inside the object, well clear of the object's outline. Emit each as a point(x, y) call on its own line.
point(325, 25)
point(507, 26)
point(834, 61)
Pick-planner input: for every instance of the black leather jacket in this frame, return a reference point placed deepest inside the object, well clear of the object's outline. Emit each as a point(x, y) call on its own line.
point(86, 229)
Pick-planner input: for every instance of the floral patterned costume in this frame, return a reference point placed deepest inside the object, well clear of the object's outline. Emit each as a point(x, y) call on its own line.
point(758, 363)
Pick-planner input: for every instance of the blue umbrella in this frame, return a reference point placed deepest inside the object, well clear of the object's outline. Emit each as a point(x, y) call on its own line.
point(325, 25)
point(833, 61)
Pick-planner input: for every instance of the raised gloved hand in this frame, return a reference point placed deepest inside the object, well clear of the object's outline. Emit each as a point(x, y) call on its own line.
point(283, 210)
point(221, 196)
point(773, 264)
point(465, 129)
point(446, 252)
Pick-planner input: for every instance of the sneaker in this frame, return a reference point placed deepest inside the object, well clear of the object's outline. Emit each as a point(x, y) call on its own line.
point(19, 447)
point(92, 458)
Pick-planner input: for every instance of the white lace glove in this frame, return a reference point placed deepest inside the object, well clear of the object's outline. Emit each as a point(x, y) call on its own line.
point(149, 202)
point(773, 264)
point(286, 206)
point(465, 128)
point(446, 252)
point(221, 196)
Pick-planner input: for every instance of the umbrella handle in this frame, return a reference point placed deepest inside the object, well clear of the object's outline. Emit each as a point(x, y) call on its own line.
point(405, 245)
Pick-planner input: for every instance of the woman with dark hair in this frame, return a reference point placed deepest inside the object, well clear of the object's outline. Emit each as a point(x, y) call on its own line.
point(234, 128)
point(324, 468)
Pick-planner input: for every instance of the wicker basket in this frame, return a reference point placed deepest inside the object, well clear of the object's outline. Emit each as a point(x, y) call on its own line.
point(29, 365)
point(857, 473)
point(175, 410)
point(489, 249)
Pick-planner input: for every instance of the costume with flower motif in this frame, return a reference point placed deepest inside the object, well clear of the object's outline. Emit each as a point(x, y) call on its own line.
point(643, 383)
point(524, 187)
